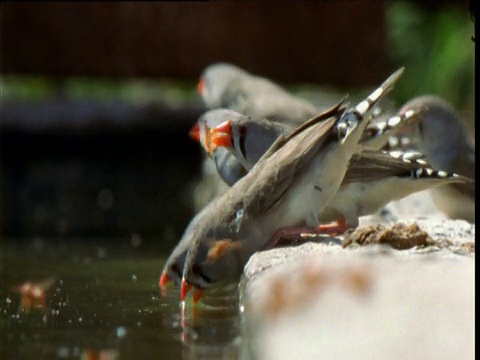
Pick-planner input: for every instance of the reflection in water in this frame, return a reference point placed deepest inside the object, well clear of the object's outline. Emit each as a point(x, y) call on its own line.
point(33, 295)
point(104, 354)
point(211, 329)
point(106, 305)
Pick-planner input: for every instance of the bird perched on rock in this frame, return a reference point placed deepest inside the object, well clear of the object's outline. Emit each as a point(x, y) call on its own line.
point(283, 193)
point(373, 179)
point(442, 138)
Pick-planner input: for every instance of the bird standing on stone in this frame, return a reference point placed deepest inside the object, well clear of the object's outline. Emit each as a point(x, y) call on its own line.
point(373, 179)
point(284, 192)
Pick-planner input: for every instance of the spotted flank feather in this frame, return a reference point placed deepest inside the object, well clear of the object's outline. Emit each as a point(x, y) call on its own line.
point(374, 165)
point(424, 170)
point(398, 142)
point(422, 173)
point(378, 133)
point(410, 156)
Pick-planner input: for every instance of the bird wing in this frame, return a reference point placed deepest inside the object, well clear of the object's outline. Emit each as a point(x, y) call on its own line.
point(371, 165)
point(288, 156)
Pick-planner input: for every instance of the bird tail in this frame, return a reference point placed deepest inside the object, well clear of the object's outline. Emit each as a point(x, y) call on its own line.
point(353, 122)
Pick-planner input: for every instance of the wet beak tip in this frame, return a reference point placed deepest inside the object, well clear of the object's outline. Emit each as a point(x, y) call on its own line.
point(184, 289)
point(164, 280)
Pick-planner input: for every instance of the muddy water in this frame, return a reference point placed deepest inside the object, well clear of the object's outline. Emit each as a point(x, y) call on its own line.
point(103, 302)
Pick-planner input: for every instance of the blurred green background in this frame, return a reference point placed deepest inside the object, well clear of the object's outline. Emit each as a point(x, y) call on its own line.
point(435, 48)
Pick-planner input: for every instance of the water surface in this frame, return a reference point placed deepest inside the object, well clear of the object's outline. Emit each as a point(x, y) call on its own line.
point(105, 303)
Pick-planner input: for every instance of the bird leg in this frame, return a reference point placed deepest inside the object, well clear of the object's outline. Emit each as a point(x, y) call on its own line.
point(288, 233)
point(334, 228)
point(299, 233)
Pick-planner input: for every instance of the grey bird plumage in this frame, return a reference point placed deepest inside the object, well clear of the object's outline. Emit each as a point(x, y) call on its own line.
point(289, 186)
point(373, 179)
point(442, 138)
point(224, 85)
point(251, 137)
point(228, 86)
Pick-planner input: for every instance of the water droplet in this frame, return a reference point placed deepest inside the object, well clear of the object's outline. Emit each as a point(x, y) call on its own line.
point(63, 352)
point(121, 332)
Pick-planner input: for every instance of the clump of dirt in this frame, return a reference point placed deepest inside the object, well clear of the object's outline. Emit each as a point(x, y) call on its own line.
point(468, 246)
point(399, 236)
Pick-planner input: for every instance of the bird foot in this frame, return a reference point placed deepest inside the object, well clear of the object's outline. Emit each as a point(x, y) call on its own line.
point(299, 233)
point(332, 229)
point(289, 233)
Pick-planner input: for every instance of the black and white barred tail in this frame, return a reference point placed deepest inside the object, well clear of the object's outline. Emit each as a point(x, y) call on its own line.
point(429, 173)
point(424, 169)
point(353, 117)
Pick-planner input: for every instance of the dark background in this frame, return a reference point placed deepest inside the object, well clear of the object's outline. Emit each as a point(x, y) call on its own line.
point(98, 98)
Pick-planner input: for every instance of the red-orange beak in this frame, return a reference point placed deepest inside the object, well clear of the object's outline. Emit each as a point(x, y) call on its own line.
point(184, 289)
point(164, 280)
point(195, 132)
point(200, 86)
point(221, 136)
